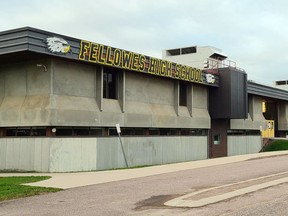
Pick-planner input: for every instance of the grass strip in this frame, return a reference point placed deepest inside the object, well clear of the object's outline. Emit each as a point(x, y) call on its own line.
point(12, 188)
point(278, 145)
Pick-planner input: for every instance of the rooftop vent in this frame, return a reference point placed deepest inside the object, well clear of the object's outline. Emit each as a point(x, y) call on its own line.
point(282, 82)
point(182, 51)
point(188, 50)
point(173, 52)
point(218, 56)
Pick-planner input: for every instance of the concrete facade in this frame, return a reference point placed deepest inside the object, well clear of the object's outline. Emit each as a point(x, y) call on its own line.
point(255, 118)
point(66, 94)
point(87, 154)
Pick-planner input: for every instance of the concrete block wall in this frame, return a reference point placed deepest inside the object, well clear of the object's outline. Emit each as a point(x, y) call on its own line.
point(238, 145)
point(87, 154)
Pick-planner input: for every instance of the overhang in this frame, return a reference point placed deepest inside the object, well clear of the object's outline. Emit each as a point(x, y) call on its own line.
point(25, 43)
point(266, 91)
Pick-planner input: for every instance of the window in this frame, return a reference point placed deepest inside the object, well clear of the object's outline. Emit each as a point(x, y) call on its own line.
point(217, 139)
point(236, 132)
point(173, 52)
point(193, 132)
point(133, 131)
point(165, 132)
point(97, 131)
point(243, 132)
point(112, 132)
point(284, 82)
point(11, 132)
point(81, 131)
point(64, 131)
point(110, 83)
point(182, 93)
point(253, 132)
point(188, 50)
point(38, 131)
point(26, 131)
point(154, 132)
point(140, 131)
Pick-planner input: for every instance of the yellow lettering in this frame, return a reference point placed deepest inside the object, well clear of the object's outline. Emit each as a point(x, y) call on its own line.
point(177, 71)
point(117, 57)
point(84, 50)
point(157, 66)
point(101, 59)
point(168, 69)
point(183, 72)
point(200, 80)
point(189, 73)
point(135, 61)
point(93, 52)
point(108, 56)
point(152, 66)
point(163, 68)
point(126, 59)
point(142, 61)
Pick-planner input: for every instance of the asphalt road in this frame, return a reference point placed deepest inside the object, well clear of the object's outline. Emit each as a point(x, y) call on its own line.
point(145, 196)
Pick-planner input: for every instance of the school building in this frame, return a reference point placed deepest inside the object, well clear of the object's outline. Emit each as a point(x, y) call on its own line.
point(61, 98)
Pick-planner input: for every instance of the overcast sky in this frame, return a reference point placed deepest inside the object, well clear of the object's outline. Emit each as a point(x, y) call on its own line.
point(253, 33)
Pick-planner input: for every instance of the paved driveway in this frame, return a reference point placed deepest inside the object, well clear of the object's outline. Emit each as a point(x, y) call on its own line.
point(146, 195)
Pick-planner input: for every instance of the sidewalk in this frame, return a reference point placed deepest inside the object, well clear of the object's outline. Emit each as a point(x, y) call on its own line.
point(71, 180)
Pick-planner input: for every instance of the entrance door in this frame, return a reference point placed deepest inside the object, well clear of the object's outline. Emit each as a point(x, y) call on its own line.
point(270, 112)
point(218, 138)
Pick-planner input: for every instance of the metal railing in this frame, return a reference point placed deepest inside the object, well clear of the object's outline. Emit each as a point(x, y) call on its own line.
point(214, 65)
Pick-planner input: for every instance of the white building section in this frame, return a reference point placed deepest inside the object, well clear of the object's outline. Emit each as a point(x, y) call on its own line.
point(197, 56)
point(282, 84)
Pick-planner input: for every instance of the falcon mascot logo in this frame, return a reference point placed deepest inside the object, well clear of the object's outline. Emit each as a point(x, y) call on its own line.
point(210, 78)
point(57, 45)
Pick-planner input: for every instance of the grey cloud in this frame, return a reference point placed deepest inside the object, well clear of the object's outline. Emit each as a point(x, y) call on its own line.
point(252, 33)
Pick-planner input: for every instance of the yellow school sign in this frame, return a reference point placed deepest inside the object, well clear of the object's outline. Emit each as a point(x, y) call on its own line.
point(110, 56)
point(269, 131)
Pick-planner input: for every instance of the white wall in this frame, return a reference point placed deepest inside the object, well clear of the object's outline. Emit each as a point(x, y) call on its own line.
point(238, 145)
point(87, 154)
